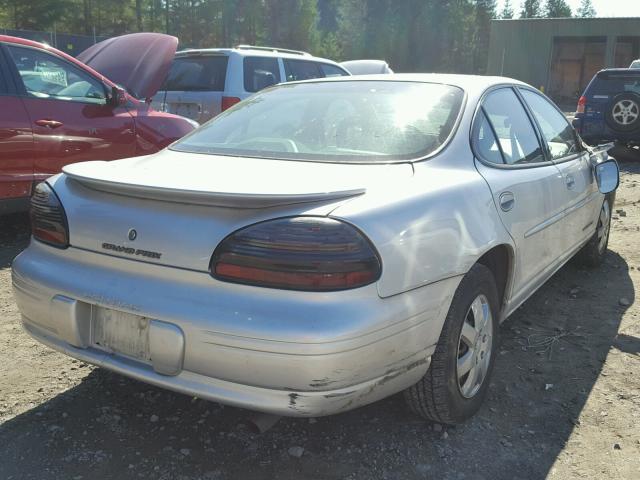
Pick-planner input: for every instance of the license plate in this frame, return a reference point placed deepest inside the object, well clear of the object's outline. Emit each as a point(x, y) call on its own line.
point(121, 333)
point(189, 110)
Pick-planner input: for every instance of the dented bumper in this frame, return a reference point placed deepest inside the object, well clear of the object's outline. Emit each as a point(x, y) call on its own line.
point(282, 352)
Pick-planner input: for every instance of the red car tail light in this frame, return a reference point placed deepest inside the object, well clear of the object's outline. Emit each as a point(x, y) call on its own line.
point(48, 219)
point(297, 253)
point(228, 102)
point(582, 103)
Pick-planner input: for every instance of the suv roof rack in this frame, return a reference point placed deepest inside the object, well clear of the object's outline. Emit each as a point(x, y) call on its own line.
point(273, 49)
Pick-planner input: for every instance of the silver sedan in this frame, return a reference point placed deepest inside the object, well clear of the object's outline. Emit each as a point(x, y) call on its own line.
point(321, 245)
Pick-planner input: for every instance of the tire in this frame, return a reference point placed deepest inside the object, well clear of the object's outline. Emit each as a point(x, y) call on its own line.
point(442, 395)
point(593, 253)
point(623, 113)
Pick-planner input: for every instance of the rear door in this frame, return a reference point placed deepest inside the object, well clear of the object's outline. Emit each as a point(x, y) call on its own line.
point(527, 187)
point(70, 118)
point(573, 161)
point(194, 86)
point(16, 141)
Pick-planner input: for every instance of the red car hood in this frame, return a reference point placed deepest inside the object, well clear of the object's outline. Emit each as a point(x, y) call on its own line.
point(138, 62)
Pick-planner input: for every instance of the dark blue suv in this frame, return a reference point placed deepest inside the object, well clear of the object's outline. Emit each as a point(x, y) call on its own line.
point(609, 109)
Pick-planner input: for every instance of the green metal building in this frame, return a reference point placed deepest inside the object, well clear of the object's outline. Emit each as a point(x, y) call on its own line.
point(561, 55)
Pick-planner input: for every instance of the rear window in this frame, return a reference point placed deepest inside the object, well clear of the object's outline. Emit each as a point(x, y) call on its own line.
point(346, 121)
point(205, 73)
point(609, 84)
point(260, 72)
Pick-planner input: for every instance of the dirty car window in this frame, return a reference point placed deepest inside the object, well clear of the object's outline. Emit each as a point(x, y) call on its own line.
point(349, 121)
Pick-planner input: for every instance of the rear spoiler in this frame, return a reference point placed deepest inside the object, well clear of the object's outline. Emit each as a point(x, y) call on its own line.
point(199, 197)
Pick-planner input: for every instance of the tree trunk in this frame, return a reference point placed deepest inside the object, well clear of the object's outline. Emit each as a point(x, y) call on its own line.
point(139, 15)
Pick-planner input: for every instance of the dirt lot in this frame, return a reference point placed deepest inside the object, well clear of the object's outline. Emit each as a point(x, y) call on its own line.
point(564, 402)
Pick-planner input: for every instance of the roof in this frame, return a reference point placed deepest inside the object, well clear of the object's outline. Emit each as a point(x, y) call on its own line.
point(622, 71)
point(247, 50)
point(469, 83)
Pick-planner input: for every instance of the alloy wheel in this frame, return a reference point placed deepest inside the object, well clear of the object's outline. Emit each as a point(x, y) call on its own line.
point(625, 112)
point(603, 226)
point(474, 347)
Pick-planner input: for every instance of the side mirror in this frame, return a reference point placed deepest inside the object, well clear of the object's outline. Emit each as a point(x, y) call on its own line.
point(607, 176)
point(117, 98)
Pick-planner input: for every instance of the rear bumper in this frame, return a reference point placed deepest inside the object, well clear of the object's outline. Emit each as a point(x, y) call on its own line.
point(287, 353)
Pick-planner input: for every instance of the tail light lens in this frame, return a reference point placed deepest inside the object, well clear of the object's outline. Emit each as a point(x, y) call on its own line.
point(300, 253)
point(48, 220)
point(228, 102)
point(582, 103)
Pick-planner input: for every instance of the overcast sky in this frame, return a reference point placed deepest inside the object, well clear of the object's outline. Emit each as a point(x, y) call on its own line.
point(605, 8)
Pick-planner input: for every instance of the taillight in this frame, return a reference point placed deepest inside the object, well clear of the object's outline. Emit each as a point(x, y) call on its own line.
point(297, 253)
point(228, 102)
point(48, 220)
point(582, 103)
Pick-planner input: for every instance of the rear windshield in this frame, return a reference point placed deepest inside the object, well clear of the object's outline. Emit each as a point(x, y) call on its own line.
point(197, 74)
point(615, 83)
point(347, 121)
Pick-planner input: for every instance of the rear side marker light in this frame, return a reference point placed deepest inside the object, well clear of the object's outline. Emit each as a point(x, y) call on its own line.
point(48, 219)
point(297, 253)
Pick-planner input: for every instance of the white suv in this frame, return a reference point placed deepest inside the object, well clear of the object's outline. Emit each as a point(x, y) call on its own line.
point(204, 82)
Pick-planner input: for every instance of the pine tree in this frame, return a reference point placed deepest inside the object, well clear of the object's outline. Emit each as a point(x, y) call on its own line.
point(485, 11)
point(557, 9)
point(586, 10)
point(531, 9)
point(507, 11)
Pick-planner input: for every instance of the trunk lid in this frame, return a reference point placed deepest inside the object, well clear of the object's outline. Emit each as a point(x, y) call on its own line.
point(139, 61)
point(181, 205)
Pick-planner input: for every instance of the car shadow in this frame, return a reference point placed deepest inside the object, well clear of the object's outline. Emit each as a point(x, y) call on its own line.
point(552, 353)
point(14, 237)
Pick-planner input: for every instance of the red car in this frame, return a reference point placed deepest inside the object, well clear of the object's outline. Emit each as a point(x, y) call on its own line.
point(56, 110)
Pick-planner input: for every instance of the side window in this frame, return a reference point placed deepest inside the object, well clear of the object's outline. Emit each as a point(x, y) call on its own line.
point(46, 76)
point(301, 70)
point(3, 82)
point(556, 130)
point(260, 72)
point(485, 141)
point(332, 70)
point(516, 135)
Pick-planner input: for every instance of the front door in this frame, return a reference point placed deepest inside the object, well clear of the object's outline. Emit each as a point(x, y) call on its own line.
point(526, 186)
point(70, 117)
point(582, 198)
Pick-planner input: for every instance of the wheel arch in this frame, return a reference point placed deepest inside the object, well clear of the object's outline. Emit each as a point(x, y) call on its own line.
point(500, 259)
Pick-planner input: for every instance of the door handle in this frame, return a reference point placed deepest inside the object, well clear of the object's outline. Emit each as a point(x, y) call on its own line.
point(570, 181)
point(507, 201)
point(48, 123)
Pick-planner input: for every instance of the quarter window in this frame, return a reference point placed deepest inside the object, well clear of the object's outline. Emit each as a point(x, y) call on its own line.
point(486, 143)
point(46, 76)
point(514, 131)
point(260, 72)
point(301, 70)
point(557, 132)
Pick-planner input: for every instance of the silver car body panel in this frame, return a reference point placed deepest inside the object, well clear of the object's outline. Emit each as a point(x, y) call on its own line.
point(290, 352)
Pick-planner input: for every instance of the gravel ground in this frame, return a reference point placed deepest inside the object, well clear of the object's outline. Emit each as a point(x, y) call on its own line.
point(564, 401)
